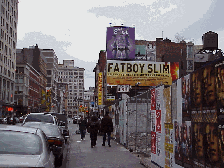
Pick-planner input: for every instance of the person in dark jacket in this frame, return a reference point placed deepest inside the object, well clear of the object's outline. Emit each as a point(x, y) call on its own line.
point(106, 128)
point(82, 127)
point(93, 126)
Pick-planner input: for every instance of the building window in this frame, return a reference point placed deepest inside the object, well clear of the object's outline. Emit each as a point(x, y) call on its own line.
point(20, 79)
point(49, 72)
point(190, 65)
point(189, 51)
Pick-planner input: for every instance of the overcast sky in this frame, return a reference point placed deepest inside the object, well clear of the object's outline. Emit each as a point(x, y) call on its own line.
point(78, 30)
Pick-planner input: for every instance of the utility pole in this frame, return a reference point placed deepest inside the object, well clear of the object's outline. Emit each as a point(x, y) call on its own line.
point(137, 84)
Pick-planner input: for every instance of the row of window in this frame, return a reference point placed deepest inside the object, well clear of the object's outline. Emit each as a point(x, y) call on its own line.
point(71, 77)
point(10, 7)
point(70, 73)
point(6, 72)
point(7, 62)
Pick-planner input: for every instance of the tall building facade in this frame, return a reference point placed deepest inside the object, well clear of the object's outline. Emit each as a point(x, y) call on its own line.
point(89, 101)
point(100, 72)
point(8, 40)
point(27, 90)
point(37, 82)
point(74, 77)
point(52, 77)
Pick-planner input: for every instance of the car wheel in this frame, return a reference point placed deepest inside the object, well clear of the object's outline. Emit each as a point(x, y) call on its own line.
point(58, 161)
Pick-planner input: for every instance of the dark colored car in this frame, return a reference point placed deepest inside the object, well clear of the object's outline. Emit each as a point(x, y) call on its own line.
point(54, 137)
point(24, 147)
point(62, 123)
point(76, 120)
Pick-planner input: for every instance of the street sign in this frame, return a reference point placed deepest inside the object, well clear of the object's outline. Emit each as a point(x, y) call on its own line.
point(123, 88)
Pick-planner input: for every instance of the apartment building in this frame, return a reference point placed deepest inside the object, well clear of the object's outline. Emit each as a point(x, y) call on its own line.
point(27, 90)
point(89, 101)
point(52, 77)
point(8, 40)
point(62, 96)
point(74, 77)
point(37, 80)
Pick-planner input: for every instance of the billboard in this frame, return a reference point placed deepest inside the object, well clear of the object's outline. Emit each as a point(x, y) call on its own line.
point(146, 72)
point(100, 87)
point(120, 43)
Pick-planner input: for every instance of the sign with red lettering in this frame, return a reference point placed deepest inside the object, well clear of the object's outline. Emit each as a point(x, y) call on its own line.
point(158, 121)
point(153, 142)
point(153, 100)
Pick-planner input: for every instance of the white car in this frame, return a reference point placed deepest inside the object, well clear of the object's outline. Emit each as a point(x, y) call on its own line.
point(4, 120)
point(33, 149)
point(40, 117)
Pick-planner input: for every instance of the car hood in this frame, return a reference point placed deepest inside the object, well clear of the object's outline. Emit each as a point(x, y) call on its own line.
point(19, 160)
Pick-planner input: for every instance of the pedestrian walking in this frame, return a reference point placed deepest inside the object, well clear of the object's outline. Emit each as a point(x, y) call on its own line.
point(82, 127)
point(93, 127)
point(106, 128)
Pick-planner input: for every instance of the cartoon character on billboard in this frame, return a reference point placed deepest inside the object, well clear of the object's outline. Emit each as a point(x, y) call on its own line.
point(121, 45)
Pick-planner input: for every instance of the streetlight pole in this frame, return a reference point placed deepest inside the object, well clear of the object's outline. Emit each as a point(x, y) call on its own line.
point(137, 84)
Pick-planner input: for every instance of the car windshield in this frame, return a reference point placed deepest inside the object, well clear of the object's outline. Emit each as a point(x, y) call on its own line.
point(39, 118)
point(20, 143)
point(48, 129)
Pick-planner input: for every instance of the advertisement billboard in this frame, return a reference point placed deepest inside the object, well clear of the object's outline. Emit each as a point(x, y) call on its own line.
point(130, 72)
point(120, 43)
point(158, 137)
point(186, 98)
point(100, 88)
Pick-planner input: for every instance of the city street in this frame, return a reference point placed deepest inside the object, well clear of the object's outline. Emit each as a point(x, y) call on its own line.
point(80, 153)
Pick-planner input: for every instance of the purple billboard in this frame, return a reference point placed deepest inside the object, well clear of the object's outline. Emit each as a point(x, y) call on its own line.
point(120, 43)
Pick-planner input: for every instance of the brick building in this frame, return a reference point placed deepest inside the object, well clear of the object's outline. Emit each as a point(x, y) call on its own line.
point(33, 57)
point(167, 51)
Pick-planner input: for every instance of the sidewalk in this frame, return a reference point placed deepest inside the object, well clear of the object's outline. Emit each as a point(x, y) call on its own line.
point(81, 155)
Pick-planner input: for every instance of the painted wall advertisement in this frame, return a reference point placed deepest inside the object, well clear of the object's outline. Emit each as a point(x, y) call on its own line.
point(168, 145)
point(146, 72)
point(197, 129)
point(120, 43)
point(158, 136)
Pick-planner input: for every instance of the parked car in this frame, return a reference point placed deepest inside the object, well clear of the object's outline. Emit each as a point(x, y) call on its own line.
point(17, 119)
point(76, 120)
point(54, 137)
point(32, 151)
point(63, 124)
point(21, 119)
point(40, 117)
point(12, 120)
point(5, 120)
